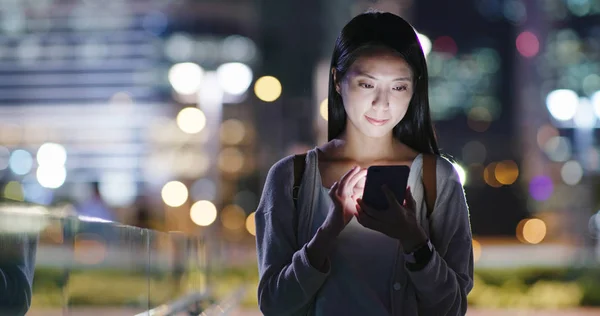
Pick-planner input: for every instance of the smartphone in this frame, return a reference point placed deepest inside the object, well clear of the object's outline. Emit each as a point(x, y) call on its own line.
point(394, 177)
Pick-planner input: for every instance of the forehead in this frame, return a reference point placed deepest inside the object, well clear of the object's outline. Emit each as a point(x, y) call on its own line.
point(381, 63)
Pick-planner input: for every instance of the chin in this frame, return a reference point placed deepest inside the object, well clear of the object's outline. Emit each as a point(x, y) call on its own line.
point(376, 132)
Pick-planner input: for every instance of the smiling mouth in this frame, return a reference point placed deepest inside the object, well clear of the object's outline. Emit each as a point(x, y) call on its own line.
point(376, 122)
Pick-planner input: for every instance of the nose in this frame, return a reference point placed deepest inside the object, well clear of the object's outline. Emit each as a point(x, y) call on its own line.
point(381, 100)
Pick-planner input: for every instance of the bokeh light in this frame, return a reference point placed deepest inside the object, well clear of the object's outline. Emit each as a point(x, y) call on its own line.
point(571, 172)
point(20, 162)
point(174, 193)
point(506, 172)
point(232, 132)
point(531, 230)
point(558, 149)
point(541, 188)
point(489, 175)
point(445, 44)
point(203, 213)
point(250, 224)
point(528, 44)
point(562, 104)
point(233, 217)
point(186, 78)
point(13, 190)
point(231, 160)
point(545, 133)
point(4, 157)
point(479, 119)
point(51, 177)
point(323, 109)
point(51, 154)
point(191, 120)
point(267, 88)
point(476, 250)
point(234, 78)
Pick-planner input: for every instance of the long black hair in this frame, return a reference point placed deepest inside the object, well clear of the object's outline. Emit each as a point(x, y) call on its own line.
point(383, 29)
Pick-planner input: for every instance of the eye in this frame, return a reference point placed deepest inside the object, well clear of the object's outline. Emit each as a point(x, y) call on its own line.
point(401, 88)
point(365, 85)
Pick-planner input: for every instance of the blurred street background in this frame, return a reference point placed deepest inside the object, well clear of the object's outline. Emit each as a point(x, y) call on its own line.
point(166, 115)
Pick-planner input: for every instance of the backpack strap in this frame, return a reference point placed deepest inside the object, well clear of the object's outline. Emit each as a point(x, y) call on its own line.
point(429, 181)
point(299, 165)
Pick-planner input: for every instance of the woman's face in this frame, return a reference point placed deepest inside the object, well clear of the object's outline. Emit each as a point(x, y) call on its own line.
point(376, 92)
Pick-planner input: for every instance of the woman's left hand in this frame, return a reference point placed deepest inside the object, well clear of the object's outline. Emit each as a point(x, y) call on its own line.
point(397, 221)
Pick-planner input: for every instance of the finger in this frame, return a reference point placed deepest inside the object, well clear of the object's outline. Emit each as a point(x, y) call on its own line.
point(364, 208)
point(361, 183)
point(356, 177)
point(369, 222)
point(333, 188)
point(345, 178)
point(389, 195)
point(409, 200)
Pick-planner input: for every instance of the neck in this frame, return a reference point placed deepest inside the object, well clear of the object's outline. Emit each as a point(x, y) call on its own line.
point(364, 149)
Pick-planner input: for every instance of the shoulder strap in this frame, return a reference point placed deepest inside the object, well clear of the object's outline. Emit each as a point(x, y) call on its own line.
point(429, 181)
point(299, 165)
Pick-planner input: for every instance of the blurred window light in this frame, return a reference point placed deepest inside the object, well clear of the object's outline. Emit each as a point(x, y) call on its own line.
point(174, 193)
point(528, 44)
point(233, 132)
point(51, 154)
point(474, 152)
point(585, 117)
point(558, 149)
point(507, 172)
point(541, 188)
point(13, 190)
point(234, 78)
point(51, 176)
point(118, 189)
point(4, 157)
point(562, 104)
point(20, 162)
point(531, 231)
point(233, 217)
point(267, 88)
point(324, 110)
point(251, 224)
point(425, 43)
point(462, 175)
point(571, 172)
point(203, 213)
point(191, 120)
point(186, 78)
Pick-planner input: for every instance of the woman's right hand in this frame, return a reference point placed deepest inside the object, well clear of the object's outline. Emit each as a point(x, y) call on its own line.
point(343, 194)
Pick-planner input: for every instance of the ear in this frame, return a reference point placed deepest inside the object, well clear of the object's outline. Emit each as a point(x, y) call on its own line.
point(335, 81)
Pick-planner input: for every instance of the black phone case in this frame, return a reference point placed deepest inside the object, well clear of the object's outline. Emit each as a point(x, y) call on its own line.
point(396, 179)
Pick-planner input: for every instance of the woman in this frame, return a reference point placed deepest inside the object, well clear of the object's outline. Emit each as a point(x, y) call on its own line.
point(336, 255)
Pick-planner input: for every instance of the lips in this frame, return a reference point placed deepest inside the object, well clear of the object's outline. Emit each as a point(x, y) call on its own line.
point(376, 122)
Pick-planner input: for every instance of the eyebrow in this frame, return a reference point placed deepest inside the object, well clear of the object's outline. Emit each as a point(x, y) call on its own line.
point(364, 74)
